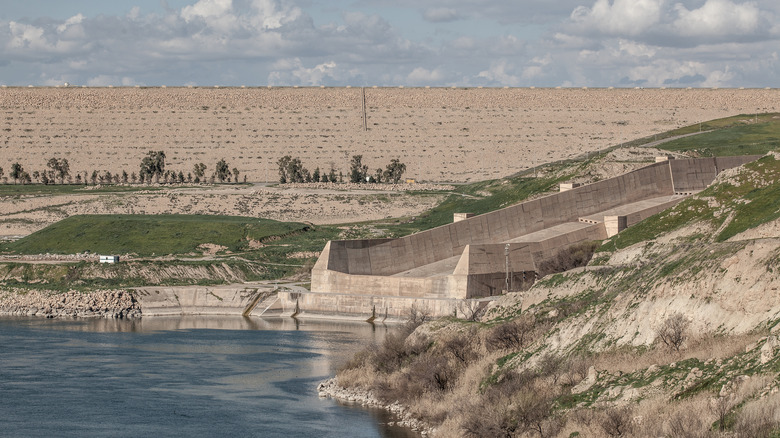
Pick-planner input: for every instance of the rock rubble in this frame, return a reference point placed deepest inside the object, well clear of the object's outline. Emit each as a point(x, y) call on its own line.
point(331, 389)
point(47, 304)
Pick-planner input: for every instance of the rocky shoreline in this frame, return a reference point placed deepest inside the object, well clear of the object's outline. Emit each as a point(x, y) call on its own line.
point(331, 389)
point(110, 304)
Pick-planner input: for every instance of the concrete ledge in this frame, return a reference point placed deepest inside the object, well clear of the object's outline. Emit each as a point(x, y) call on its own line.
point(373, 308)
point(198, 300)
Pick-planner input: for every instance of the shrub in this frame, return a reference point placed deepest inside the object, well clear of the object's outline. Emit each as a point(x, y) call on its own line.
point(568, 258)
point(462, 347)
point(513, 335)
point(616, 421)
point(674, 331)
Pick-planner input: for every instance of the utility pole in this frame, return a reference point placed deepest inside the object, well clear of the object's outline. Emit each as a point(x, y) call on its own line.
point(365, 119)
point(506, 256)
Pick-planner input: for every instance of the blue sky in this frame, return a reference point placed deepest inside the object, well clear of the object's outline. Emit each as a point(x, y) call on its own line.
point(570, 43)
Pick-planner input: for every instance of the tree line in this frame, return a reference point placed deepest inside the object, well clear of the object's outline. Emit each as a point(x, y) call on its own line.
point(291, 170)
point(151, 170)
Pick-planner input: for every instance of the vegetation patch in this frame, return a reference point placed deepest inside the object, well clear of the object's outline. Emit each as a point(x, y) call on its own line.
point(746, 134)
point(149, 235)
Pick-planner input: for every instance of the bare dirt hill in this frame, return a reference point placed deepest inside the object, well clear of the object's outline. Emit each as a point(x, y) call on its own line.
point(441, 134)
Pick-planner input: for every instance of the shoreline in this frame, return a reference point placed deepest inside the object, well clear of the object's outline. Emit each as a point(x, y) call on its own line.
point(108, 304)
point(331, 389)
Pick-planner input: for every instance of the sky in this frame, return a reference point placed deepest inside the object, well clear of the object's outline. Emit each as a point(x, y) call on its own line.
point(464, 43)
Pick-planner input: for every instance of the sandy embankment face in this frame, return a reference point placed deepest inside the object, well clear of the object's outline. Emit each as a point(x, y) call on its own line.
point(441, 134)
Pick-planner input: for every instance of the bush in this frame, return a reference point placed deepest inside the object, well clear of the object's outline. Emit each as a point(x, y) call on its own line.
point(462, 347)
point(513, 335)
point(568, 258)
point(674, 331)
point(616, 421)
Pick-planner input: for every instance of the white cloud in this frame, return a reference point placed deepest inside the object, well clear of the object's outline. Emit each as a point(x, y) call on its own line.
point(717, 18)
point(423, 76)
point(293, 72)
point(217, 14)
point(500, 73)
point(272, 15)
point(207, 9)
point(621, 17)
point(25, 36)
point(536, 67)
point(75, 20)
point(110, 80)
point(441, 15)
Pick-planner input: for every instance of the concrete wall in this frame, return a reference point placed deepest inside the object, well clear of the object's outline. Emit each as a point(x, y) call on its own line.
point(339, 282)
point(195, 300)
point(695, 174)
point(388, 257)
point(367, 267)
point(362, 307)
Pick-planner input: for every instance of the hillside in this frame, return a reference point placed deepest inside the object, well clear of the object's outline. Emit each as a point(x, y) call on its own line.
point(442, 134)
point(669, 331)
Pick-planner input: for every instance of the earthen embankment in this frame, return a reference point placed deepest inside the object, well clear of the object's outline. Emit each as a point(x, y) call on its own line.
point(440, 134)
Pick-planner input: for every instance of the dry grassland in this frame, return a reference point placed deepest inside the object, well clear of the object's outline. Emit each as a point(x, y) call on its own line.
point(441, 134)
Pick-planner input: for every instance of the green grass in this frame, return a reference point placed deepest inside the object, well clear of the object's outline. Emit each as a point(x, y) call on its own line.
point(730, 136)
point(65, 189)
point(149, 235)
point(685, 213)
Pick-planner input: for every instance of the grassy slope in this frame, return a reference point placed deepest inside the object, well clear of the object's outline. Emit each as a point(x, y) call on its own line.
point(148, 235)
point(739, 135)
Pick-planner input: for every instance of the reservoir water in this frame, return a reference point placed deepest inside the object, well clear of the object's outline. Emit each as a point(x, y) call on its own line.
point(189, 376)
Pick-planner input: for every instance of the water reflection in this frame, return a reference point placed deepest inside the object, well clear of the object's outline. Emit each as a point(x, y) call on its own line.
point(180, 375)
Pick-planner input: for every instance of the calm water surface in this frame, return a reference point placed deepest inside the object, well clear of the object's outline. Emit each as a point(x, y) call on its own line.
point(179, 377)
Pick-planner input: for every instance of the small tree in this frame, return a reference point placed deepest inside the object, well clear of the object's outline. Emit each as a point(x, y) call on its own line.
point(44, 177)
point(181, 177)
point(16, 171)
point(291, 170)
point(153, 165)
point(59, 168)
point(199, 170)
point(332, 175)
point(316, 175)
point(394, 171)
point(235, 174)
point(222, 171)
point(357, 170)
point(673, 332)
point(616, 421)
point(125, 177)
point(94, 177)
point(2, 173)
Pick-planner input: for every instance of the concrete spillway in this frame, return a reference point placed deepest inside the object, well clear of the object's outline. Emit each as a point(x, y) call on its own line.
point(477, 257)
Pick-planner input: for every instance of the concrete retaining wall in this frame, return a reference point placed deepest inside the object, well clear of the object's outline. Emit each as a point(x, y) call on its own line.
point(388, 257)
point(362, 307)
point(349, 272)
point(696, 174)
point(194, 300)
